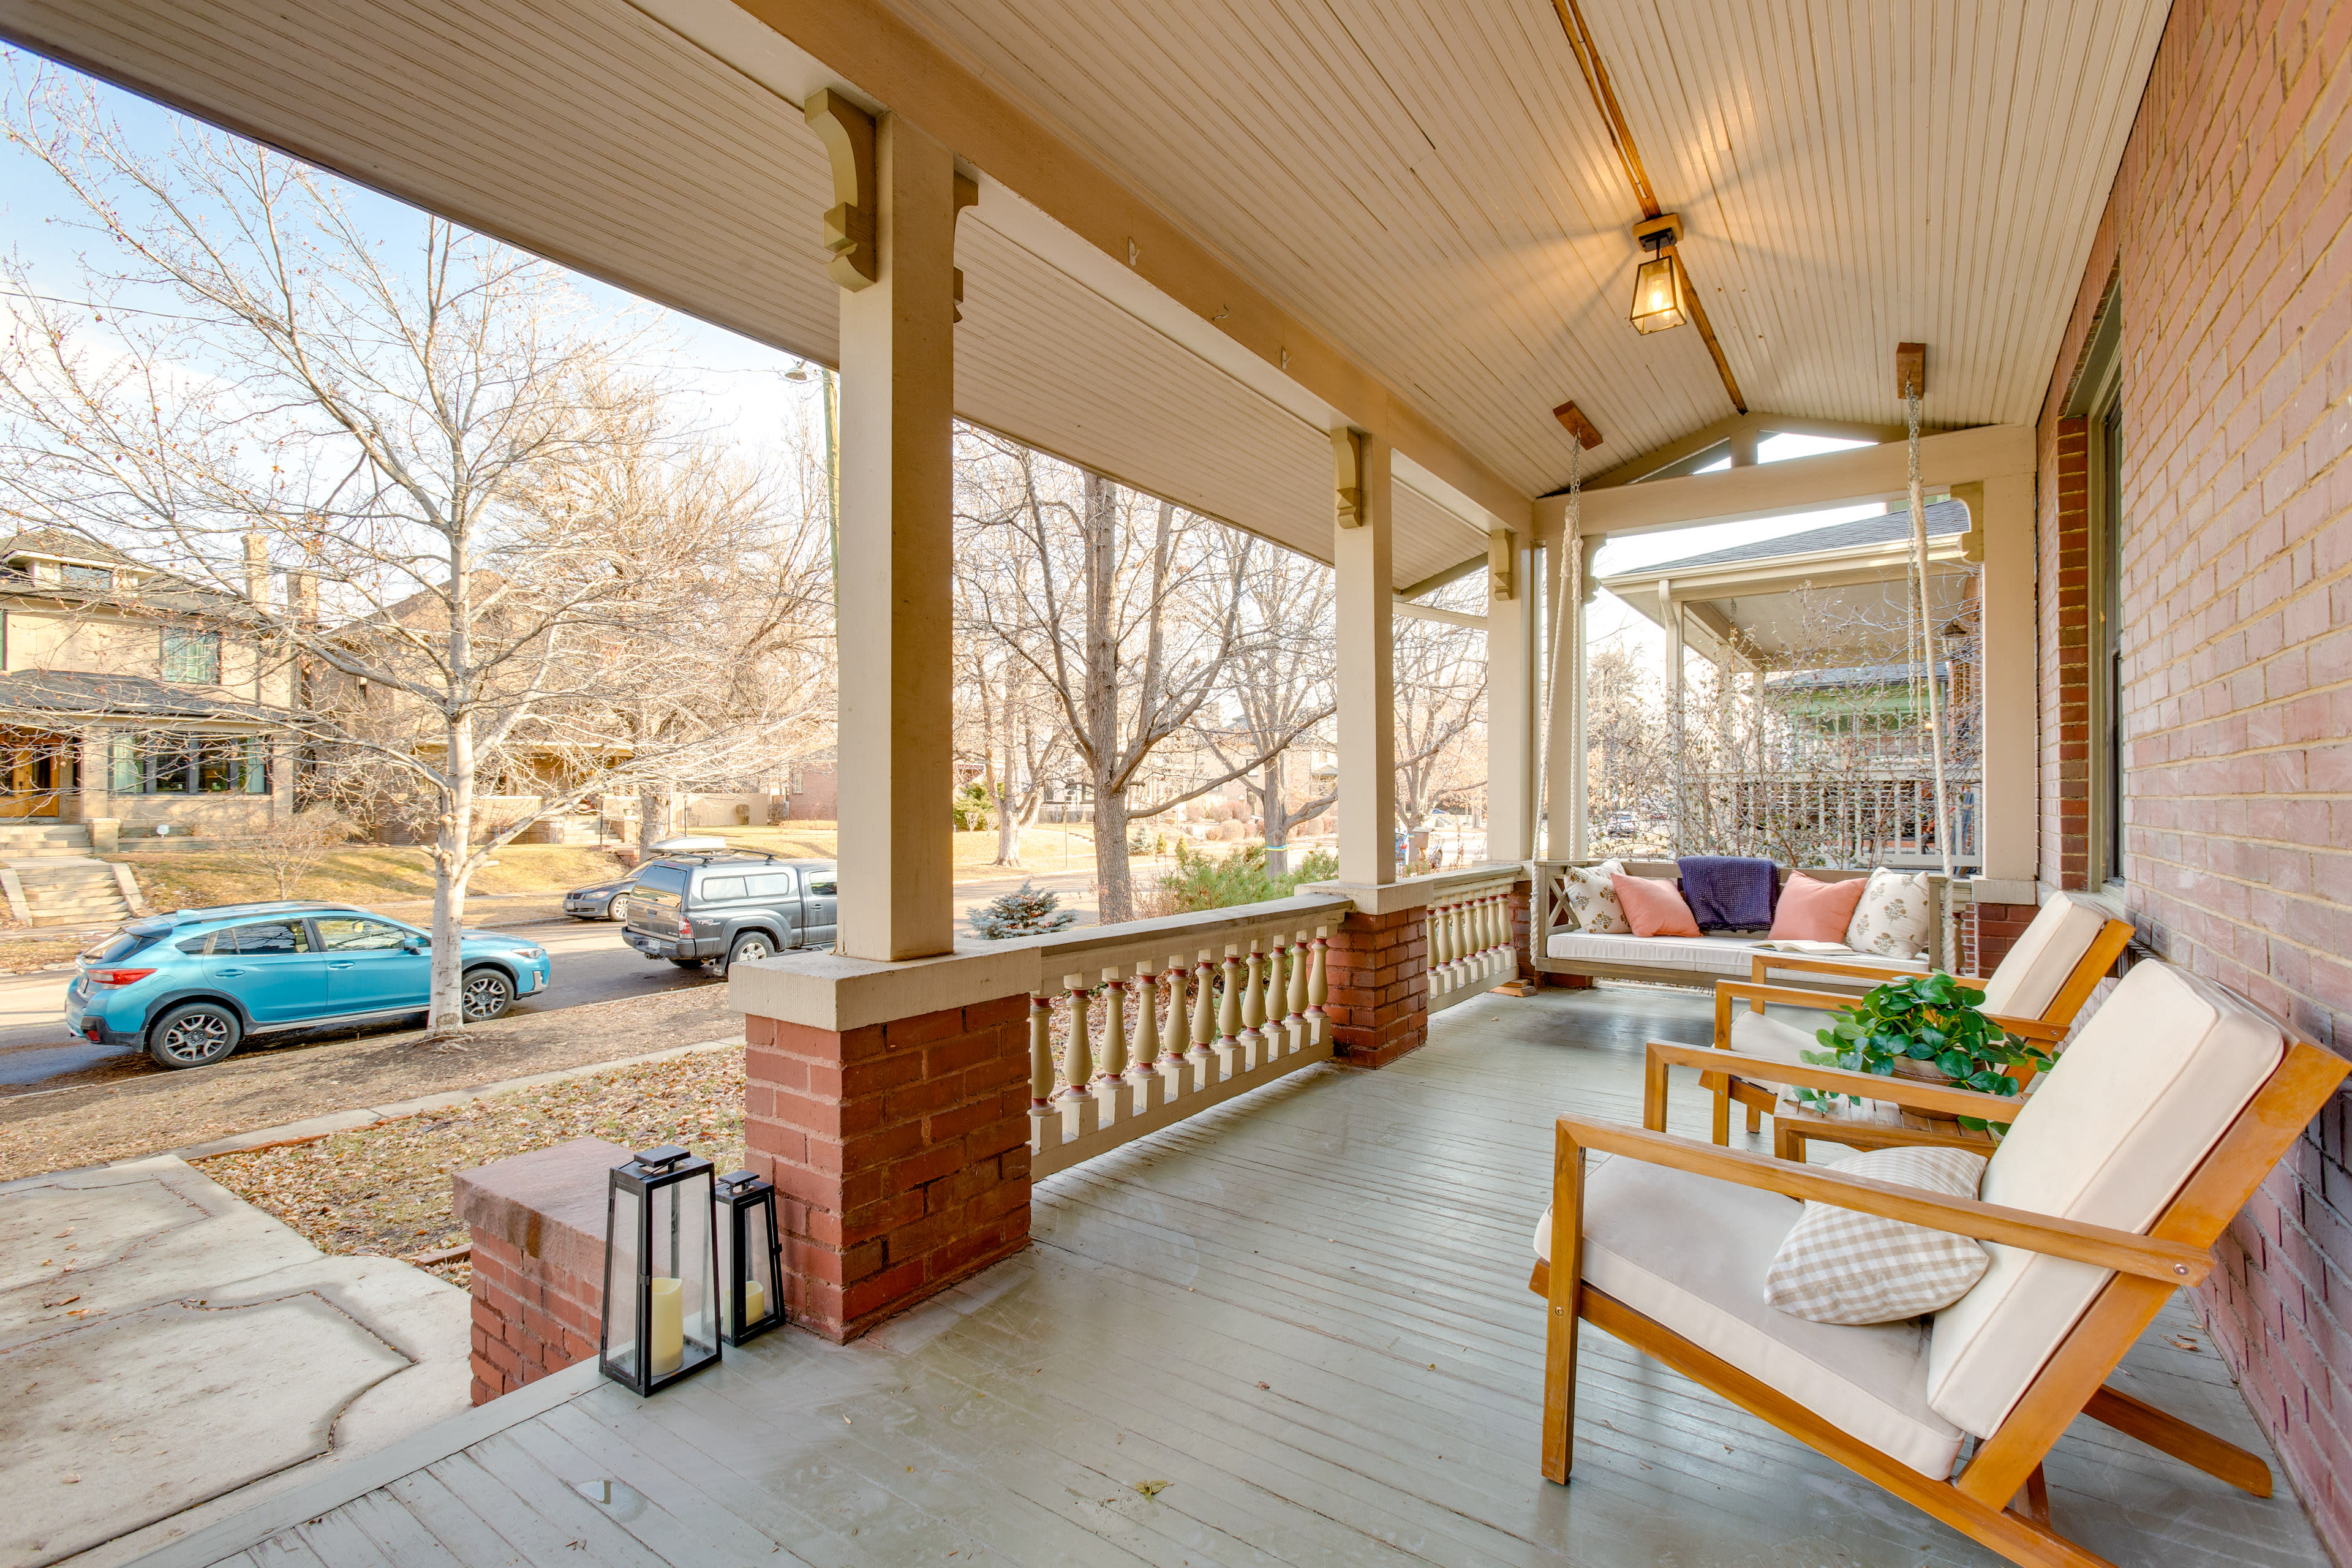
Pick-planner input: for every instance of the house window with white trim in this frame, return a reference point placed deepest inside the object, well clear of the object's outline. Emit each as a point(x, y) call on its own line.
point(169, 761)
point(192, 657)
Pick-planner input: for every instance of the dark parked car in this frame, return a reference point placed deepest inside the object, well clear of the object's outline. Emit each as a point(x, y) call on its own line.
point(605, 901)
point(723, 909)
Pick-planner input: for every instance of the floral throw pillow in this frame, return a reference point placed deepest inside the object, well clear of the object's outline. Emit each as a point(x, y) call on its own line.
point(1594, 897)
point(1892, 920)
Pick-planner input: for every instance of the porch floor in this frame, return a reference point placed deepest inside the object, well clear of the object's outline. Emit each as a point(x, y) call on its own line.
point(1293, 1330)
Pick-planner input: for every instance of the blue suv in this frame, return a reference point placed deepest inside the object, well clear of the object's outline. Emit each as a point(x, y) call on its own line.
point(188, 987)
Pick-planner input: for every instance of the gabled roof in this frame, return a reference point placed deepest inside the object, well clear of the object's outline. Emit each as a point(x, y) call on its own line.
point(66, 544)
point(1945, 518)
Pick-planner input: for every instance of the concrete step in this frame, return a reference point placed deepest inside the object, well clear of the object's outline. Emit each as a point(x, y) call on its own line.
point(43, 838)
point(71, 892)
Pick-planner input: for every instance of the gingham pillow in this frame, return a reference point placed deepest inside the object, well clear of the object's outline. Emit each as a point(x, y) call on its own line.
point(1593, 898)
point(1839, 1267)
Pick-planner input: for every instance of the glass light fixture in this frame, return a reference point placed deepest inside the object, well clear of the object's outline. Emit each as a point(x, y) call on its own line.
point(661, 1277)
point(1658, 288)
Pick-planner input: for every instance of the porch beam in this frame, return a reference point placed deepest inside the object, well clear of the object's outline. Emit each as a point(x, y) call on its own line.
point(898, 413)
point(1797, 485)
point(1362, 555)
point(1442, 617)
point(1708, 438)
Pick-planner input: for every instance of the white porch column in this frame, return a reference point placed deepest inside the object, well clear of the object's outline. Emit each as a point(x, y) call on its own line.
point(898, 362)
point(1360, 549)
point(1580, 783)
point(1511, 688)
point(2006, 814)
point(1564, 784)
point(1670, 616)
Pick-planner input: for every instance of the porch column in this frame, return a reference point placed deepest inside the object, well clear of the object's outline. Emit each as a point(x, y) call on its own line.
point(1360, 549)
point(2006, 814)
point(1579, 782)
point(1670, 616)
point(1510, 698)
point(898, 365)
point(1564, 782)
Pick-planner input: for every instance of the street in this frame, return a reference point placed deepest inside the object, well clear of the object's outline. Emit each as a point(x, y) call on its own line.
point(588, 961)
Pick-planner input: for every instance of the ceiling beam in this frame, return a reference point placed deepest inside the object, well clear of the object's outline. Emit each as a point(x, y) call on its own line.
point(1797, 485)
point(1653, 464)
point(1446, 617)
point(863, 45)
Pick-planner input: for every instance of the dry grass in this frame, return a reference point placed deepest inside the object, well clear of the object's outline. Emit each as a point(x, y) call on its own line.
point(386, 1188)
point(361, 874)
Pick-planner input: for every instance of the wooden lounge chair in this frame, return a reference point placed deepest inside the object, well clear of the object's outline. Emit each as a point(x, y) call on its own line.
point(2034, 993)
point(2142, 1144)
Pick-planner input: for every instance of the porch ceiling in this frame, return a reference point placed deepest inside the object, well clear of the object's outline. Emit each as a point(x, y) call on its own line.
point(1431, 186)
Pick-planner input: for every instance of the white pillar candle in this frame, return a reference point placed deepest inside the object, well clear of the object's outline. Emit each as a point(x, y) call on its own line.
point(668, 1323)
point(755, 1302)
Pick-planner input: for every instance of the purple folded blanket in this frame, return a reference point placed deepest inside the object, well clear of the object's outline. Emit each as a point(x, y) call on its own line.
point(1728, 892)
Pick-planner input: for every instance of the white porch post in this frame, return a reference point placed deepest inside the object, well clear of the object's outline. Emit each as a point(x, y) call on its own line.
point(1564, 786)
point(1670, 616)
point(898, 362)
point(2007, 811)
point(1510, 698)
point(1360, 549)
point(1580, 783)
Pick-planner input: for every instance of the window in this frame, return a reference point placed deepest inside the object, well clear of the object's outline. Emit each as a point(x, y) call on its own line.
point(192, 657)
point(97, 577)
point(163, 762)
point(769, 885)
point(716, 889)
point(2108, 526)
point(274, 936)
point(822, 886)
point(343, 934)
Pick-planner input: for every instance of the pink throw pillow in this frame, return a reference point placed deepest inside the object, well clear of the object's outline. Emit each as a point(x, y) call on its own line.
point(1655, 907)
point(1815, 911)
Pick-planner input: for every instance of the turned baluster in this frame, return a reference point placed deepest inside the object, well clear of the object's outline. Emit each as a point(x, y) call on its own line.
point(1277, 1037)
point(1144, 1070)
point(1205, 1020)
point(1042, 1119)
point(1178, 1032)
point(1229, 1012)
point(1318, 989)
point(1295, 1003)
point(1079, 1113)
point(1253, 1035)
point(1109, 1077)
point(1442, 972)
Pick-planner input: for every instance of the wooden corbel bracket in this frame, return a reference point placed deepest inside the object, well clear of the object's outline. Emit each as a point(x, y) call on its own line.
point(847, 132)
point(1348, 475)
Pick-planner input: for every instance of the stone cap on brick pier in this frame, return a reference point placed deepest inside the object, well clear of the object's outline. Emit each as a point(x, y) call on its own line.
point(547, 1205)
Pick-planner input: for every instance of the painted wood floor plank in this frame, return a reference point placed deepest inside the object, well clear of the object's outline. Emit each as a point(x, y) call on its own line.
point(566, 1514)
point(405, 1542)
point(466, 1536)
point(342, 1539)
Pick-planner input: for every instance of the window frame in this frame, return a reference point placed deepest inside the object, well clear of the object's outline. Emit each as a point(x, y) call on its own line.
point(2106, 528)
point(172, 646)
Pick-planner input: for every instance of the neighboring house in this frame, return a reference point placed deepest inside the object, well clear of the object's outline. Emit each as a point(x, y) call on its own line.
point(132, 699)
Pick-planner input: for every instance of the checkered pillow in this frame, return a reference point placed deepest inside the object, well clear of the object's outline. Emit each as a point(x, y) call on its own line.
point(1839, 1267)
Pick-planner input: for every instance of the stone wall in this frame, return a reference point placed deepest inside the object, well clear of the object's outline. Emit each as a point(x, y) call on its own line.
point(2227, 232)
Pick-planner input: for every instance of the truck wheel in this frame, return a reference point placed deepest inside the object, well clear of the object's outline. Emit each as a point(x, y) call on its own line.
point(195, 1035)
point(751, 945)
point(485, 993)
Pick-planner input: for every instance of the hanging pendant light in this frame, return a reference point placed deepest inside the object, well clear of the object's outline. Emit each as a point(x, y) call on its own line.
point(1658, 301)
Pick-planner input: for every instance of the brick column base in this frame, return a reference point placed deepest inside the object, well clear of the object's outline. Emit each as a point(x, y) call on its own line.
point(1378, 971)
point(538, 1225)
point(899, 1151)
point(1989, 931)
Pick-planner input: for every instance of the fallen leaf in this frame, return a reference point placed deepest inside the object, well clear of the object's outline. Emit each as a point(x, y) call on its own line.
point(1261, 1385)
point(1154, 1488)
point(62, 1301)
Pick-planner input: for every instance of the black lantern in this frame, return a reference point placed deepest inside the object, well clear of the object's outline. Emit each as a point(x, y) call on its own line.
point(751, 1255)
point(661, 1278)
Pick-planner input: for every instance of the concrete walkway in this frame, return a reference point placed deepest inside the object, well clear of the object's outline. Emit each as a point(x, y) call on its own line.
point(170, 1353)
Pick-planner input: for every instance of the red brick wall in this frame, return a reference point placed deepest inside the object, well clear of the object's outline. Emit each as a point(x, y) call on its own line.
point(531, 1317)
point(2227, 228)
point(1377, 970)
point(899, 1151)
point(1989, 931)
point(2062, 621)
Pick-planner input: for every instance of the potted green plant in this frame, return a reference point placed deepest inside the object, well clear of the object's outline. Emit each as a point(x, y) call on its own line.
point(1924, 1026)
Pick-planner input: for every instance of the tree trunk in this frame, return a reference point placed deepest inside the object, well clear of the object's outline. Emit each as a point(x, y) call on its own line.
point(1111, 868)
point(1278, 819)
point(1008, 815)
point(451, 873)
point(653, 819)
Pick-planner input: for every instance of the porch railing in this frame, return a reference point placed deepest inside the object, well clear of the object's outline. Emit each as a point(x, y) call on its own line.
point(1859, 818)
point(1134, 1028)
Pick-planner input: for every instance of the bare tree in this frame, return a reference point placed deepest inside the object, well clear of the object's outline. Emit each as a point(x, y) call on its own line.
point(423, 437)
point(1127, 609)
point(1441, 705)
point(1279, 689)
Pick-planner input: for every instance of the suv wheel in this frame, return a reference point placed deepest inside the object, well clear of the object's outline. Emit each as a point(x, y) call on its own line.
point(485, 993)
point(751, 945)
point(195, 1035)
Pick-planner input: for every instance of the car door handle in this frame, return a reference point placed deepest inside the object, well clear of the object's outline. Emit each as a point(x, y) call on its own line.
point(339, 964)
point(229, 971)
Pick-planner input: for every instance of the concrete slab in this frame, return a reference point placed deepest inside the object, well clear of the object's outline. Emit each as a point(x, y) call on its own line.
point(173, 1353)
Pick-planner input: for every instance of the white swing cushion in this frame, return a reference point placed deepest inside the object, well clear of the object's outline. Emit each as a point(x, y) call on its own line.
point(2109, 1135)
point(1690, 1252)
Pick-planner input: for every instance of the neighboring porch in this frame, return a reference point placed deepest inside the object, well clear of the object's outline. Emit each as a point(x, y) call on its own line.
point(1305, 1312)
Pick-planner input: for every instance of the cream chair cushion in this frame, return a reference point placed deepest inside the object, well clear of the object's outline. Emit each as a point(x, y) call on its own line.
point(1690, 1252)
point(2028, 978)
point(2107, 1137)
point(1762, 1035)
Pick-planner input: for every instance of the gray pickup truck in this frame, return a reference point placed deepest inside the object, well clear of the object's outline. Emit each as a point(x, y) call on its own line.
point(722, 908)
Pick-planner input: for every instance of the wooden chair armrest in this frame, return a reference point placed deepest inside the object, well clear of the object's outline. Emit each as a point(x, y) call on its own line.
point(1765, 963)
point(1912, 1094)
point(2127, 1252)
point(2032, 1029)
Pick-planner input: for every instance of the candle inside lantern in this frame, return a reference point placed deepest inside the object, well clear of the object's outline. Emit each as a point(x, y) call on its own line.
point(668, 1325)
point(755, 1301)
